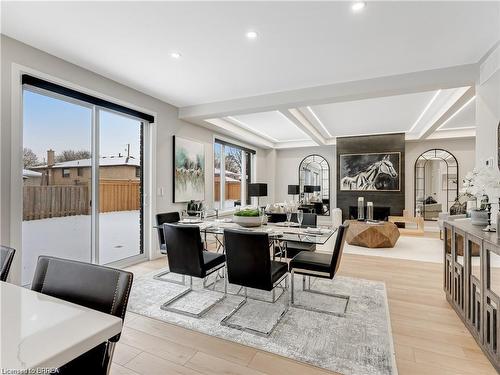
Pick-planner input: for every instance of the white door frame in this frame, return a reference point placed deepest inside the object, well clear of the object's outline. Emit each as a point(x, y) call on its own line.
point(16, 155)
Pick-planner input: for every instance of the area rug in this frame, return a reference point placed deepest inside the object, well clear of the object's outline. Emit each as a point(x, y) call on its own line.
point(359, 343)
point(421, 249)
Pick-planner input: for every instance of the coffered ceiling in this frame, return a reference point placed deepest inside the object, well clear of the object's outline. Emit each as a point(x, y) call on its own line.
point(310, 71)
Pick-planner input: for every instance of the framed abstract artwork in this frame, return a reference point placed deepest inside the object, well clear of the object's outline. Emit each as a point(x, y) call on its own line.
point(188, 170)
point(372, 171)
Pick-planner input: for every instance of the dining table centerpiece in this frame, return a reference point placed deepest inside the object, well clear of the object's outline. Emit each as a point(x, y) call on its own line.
point(249, 217)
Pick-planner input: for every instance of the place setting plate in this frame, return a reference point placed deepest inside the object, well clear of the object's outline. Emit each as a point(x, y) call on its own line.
point(287, 224)
point(190, 221)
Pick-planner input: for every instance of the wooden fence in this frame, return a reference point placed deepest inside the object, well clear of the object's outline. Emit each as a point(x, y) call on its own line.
point(232, 191)
point(119, 195)
point(41, 202)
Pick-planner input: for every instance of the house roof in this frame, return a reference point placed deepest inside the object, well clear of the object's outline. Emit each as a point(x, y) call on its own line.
point(230, 176)
point(106, 161)
point(27, 173)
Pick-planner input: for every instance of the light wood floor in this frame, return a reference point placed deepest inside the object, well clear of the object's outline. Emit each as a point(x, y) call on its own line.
point(429, 337)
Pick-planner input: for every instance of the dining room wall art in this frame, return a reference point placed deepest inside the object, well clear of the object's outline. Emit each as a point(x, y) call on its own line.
point(188, 170)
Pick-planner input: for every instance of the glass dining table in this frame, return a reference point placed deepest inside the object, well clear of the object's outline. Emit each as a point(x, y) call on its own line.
point(279, 233)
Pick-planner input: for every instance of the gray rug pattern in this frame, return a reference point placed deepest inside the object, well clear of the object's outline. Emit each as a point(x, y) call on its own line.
point(359, 343)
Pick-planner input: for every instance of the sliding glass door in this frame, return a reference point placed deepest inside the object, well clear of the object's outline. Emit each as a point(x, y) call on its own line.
point(57, 183)
point(82, 181)
point(120, 187)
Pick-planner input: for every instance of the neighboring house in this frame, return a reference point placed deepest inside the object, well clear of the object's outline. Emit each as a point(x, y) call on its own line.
point(32, 178)
point(77, 172)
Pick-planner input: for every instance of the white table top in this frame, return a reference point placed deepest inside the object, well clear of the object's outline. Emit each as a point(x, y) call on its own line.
point(41, 331)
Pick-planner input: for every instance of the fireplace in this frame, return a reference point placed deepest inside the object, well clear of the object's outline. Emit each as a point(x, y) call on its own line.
point(379, 213)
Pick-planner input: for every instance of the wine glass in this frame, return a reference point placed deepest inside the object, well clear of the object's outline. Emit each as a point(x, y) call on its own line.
point(288, 215)
point(300, 217)
point(184, 215)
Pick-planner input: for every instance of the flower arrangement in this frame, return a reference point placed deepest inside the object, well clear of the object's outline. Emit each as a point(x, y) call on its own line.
point(480, 181)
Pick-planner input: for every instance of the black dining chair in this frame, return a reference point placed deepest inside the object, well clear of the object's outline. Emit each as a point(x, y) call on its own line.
point(163, 218)
point(319, 265)
point(249, 265)
point(326, 205)
point(6, 258)
point(97, 287)
point(308, 219)
point(186, 256)
point(292, 247)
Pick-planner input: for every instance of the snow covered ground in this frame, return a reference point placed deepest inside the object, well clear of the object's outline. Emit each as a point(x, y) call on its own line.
point(69, 237)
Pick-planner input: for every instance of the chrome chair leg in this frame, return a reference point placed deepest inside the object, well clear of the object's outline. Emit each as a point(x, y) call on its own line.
point(310, 290)
point(225, 320)
point(159, 276)
point(110, 349)
point(167, 305)
point(225, 281)
point(273, 293)
point(213, 284)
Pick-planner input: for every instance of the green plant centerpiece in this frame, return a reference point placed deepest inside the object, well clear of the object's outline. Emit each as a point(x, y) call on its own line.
point(248, 212)
point(248, 217)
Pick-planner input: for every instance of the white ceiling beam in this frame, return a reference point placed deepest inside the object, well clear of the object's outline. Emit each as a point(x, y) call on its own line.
point(228, 128)
point(468, 95)
point(314, 119)
point(241, 124)
point(444, 78)
point(467, 132)
point(295, 116)
point(295, 144)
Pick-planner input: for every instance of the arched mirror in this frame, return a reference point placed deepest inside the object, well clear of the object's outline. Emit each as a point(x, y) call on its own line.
point(436, 183)
point(314, 182)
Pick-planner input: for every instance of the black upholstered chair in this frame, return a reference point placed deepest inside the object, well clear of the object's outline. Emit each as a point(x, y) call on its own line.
point(187, 257)
point(6, 257)
point(320, 265)
point(164, 218)
point(249, 265)
point(97, 287)
point(318, 208)
point(308, 220)
point(293, 248)
point(326, 204)
point(167, 217)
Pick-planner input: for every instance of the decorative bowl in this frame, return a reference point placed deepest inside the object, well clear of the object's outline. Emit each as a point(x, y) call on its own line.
point(479, 217)
point(248, 221)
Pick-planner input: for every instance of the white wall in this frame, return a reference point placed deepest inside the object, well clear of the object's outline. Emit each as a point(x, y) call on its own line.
point(13, 54)
point(488, 107)
point(462, 148)
point(266, 173)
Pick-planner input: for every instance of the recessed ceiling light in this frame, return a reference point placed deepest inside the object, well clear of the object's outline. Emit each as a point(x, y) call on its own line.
point(175, 55)
point(251, 35)
point(358, 5)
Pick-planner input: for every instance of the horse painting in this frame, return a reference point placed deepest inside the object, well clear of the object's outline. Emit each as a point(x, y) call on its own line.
point(370, 172)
